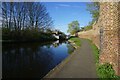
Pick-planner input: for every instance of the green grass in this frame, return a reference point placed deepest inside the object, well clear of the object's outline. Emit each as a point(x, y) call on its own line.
point(95, 52)
point(76, 40)
point(104, 71)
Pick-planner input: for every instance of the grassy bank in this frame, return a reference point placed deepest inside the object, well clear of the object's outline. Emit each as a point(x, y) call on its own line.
point(104, 71)
point(75, 40)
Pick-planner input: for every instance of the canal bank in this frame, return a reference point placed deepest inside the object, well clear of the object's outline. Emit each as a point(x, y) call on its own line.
point(80, 64)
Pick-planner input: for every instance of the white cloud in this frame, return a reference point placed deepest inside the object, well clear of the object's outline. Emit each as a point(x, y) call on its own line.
point(66, 5)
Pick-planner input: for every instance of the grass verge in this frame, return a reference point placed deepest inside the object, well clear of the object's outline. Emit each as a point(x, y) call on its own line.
point(75, 40)
point(104, 71)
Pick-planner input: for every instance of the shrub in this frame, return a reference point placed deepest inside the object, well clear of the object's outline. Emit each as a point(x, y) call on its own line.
point(106, 71)
point(26, 35)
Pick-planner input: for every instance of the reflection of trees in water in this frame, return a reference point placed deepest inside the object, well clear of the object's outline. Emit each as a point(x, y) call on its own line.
point(26, 61)
point(6, 46)
point(56, 45)
point(58, 42)
point(48, 46)
point(70, 48)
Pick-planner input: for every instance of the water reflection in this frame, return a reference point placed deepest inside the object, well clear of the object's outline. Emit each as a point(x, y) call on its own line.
point(70, 48)
point(32, 60)
point(56, 43)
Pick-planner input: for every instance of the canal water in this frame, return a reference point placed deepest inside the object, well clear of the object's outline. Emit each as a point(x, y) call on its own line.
point(32, 60)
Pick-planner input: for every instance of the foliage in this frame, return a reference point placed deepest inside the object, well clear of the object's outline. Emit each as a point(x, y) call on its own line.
point(26, 35)
point(76, 40)
point(73, 27)
point(93, 8)
point(26, 21)
point(106, 71)
point(17, 16)
point(87, 28)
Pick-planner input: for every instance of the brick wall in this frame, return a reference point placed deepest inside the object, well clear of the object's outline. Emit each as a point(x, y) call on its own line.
point(110, 24)
point(119, 39)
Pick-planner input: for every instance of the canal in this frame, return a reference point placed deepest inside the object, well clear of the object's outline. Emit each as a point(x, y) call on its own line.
point(32, 60)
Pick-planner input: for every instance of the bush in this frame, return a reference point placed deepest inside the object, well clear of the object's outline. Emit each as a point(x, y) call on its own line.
point(106, 71)
point(26, 35)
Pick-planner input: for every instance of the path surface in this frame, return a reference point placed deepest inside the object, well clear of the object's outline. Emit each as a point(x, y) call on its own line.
point(81, 65)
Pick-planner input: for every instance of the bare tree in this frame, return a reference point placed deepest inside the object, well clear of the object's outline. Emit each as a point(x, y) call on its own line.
point(4, 15)
point(19, 15)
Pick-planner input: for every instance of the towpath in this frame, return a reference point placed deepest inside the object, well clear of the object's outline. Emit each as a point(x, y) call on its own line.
point(80, 65)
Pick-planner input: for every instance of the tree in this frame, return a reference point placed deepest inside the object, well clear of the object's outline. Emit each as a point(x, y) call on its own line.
point(18, 15)
point(24, 18)
point(93, 8)
point(73, 27)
